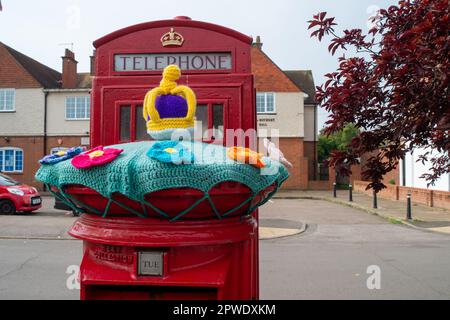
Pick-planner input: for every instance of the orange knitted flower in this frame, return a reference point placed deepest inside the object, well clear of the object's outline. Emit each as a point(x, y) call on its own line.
point(245, 155)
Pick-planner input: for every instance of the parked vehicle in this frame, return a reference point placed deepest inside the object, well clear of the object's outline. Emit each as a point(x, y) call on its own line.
point(60, 205)
point(17, 197)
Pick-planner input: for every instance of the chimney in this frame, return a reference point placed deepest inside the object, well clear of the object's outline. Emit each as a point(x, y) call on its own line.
point(258, 42)
point(69, 70)
point(93, 64)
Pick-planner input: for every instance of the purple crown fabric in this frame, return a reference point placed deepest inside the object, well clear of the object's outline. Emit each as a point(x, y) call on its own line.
point(171, 106)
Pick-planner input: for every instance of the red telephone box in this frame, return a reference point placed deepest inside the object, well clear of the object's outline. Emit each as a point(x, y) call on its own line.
point(215, 62)
point(133, 258)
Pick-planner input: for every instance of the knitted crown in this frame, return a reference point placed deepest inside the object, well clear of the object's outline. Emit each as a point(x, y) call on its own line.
point(169, 106)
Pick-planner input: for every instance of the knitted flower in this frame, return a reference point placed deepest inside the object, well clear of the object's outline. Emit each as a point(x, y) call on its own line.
point(95, 157)
point(245, 155)
point(61, 155)
point(170, 152)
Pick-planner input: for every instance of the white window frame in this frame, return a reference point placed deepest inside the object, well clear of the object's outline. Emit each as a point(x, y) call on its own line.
point(3, 153)
point(274, 111)
point(86, 117)
point(3, 103)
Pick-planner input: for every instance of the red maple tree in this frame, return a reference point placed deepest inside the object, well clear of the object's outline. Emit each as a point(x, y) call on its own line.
point(394, 88)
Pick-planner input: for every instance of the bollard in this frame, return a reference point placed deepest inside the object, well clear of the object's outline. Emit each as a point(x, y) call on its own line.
point(334, 189)
point(375, 202)
point(350, 193)
point(408, 206)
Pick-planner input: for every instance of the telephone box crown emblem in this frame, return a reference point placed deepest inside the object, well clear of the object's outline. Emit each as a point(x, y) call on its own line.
point(172, 38)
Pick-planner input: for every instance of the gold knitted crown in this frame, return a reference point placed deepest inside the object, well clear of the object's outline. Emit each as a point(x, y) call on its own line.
point(167, 86)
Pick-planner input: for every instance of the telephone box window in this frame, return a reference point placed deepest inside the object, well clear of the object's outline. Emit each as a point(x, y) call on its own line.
point(132, 125)
point(141, 125)
point(125, 123)
point(201, 115)
point(218, 116)
point(212, 123)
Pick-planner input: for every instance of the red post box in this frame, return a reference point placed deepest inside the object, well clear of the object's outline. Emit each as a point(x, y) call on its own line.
point(132, 253)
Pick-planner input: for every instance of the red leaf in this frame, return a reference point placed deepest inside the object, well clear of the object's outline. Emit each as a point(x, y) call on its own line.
point(397, 94)
point(313, 24)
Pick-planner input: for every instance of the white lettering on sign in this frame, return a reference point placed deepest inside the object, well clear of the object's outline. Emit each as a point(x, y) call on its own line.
point(186, 61)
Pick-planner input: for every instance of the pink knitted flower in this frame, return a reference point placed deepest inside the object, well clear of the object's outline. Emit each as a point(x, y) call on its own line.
point(95, 157)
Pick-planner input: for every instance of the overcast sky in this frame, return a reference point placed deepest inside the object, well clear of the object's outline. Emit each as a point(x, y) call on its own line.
point(41, 28)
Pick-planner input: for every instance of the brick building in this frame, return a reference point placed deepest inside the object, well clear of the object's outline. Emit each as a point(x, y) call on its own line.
point(68, 108)
point(305, 81)
point(43, 111)
point(31, 121)
point(285, 101)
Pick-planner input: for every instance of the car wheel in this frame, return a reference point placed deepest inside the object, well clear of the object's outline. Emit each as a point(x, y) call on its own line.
point(75, 213)
point(7, 207)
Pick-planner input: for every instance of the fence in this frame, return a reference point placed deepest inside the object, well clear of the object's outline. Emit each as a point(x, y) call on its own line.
point(431, 198)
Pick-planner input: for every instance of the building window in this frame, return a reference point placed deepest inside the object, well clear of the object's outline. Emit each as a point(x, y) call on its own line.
point(11, 160)
point(265, 102)
point(78, 108)
point(7, 100)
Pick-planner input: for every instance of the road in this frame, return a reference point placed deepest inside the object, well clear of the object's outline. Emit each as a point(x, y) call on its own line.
point(328, 261)
point(331, 259)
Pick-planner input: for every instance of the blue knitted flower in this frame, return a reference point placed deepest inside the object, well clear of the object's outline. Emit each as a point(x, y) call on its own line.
point(61, 155)
point(171, 152)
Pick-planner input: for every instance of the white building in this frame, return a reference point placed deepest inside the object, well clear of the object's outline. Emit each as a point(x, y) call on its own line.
point(411, 170)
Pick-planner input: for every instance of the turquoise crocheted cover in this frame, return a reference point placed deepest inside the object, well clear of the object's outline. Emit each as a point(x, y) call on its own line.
point(134, 174)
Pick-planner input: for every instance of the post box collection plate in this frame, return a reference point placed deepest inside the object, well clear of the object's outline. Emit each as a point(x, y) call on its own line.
point(150, 264)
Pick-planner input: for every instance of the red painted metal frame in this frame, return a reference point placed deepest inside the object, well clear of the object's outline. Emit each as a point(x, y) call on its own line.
point(173, 23)
point(199, 257)
point(132, 104)
point(166, 51)
point(107, 92)
point(203, 259)
point(225, 196)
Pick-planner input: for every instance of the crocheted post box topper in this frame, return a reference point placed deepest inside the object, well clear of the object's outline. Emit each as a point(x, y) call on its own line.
point(169, 107)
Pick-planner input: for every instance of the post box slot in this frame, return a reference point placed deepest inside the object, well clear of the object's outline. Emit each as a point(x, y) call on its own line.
point(110, 292)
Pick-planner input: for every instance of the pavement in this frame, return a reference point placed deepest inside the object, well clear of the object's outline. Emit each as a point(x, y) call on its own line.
point(52, 224)
point(423, 217)
point(44, 224)
point(336, 257)
point(333, 258)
